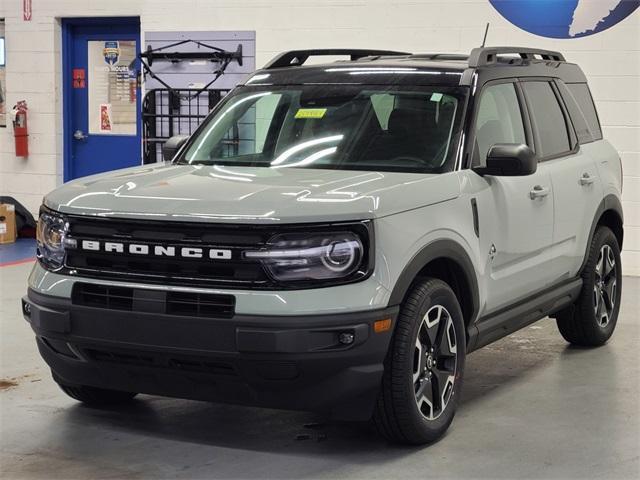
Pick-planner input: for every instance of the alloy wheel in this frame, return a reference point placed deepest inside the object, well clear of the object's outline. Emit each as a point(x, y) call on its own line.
point(434, 362)
point(605, 285)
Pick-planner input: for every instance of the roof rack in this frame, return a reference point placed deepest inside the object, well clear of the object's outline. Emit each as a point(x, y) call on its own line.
point(296, 58)
point(488, 55)
point(440, 56)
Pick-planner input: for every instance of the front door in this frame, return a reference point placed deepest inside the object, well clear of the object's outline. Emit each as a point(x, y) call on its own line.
point(516, 213)
point(102, 126)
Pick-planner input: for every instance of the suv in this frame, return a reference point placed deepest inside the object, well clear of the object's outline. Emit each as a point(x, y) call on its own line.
point(337, 238)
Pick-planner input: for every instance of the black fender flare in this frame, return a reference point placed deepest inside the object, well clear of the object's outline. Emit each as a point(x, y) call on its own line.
point(447, 249)
point(610, 202)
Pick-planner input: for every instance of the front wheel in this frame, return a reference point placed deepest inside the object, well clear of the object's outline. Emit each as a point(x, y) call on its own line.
point(423, 369)
point(592, 319)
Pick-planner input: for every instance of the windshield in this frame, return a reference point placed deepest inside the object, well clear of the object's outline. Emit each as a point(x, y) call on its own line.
point(377, 128)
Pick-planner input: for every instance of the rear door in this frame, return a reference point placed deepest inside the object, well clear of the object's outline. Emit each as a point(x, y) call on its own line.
point(574, 176)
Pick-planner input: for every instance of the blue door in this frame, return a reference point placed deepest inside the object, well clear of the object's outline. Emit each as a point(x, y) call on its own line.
point(102, 121)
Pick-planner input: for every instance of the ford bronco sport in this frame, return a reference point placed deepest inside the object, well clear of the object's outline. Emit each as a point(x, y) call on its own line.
point(337, 238)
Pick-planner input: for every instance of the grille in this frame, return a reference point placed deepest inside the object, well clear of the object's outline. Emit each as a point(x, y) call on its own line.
point(156, 360)
point(154, 301)
point(164, 269)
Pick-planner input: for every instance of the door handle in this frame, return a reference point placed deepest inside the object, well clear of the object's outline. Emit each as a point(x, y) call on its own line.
point(586, 179)
point(538, 192)
point(79, 135)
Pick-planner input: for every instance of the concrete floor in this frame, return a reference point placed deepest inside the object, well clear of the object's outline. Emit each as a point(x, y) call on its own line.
point(532, 407)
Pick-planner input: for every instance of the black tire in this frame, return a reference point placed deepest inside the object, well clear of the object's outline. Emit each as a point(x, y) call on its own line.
point(397, 415)
point(583, 323)
point(97, 397)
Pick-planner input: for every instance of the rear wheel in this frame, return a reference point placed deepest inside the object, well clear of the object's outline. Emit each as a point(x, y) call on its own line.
point(592, 319)
point(99, 397)
point(423, 370)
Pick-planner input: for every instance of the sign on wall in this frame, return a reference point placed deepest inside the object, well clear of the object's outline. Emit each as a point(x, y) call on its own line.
point(26, 10)
point(565, 18)
point(112, 89)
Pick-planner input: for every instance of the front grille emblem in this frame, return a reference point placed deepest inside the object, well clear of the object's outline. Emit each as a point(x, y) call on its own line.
point(144, 249)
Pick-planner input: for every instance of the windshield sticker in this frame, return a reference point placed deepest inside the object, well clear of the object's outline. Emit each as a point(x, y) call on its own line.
point(311, 112)
point(436, 97)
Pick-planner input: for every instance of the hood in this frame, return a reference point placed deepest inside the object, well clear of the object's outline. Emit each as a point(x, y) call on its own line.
point(249, 195)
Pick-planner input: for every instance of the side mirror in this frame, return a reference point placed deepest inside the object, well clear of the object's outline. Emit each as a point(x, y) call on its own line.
point(509, 160)
point(171, 146)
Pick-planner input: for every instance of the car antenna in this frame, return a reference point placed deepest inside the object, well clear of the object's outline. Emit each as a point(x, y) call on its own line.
point(486, 31)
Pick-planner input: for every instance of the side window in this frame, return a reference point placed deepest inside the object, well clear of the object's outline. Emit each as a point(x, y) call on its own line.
point(548, 118)
point(498, 120)
point(578, 119)
point(582, 95)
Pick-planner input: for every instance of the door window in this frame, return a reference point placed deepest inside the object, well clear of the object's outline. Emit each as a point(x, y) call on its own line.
point(112, 87)
point(498, 120)
point(548, 119)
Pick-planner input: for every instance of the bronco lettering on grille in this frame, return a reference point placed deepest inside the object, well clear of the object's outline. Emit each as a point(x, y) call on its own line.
point(156, 250)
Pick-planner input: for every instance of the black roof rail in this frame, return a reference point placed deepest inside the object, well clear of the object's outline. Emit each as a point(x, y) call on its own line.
point(440, 56)
point(488, 55)
point(296, 58)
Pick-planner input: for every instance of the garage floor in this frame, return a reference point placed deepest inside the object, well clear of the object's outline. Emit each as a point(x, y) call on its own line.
point(532, 407)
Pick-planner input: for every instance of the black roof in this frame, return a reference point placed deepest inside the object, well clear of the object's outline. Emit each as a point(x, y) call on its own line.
point(380, 67)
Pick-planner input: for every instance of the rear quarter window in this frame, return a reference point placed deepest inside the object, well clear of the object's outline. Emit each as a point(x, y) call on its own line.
point(583, 98)
point(580, 124)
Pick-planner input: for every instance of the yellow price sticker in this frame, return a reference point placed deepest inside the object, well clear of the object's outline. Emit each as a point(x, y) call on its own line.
point(311, 112)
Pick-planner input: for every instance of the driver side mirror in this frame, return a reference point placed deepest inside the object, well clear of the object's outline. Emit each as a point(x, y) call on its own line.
point(509, 160)
point(171, 146)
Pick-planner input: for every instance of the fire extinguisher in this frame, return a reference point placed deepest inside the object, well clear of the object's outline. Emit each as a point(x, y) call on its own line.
point(20, 130)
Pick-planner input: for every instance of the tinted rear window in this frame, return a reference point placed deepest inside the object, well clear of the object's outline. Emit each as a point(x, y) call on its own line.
point(582, 96)
point(547, 118)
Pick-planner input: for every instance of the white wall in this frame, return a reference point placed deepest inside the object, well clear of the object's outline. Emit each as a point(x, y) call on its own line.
point(610, 59)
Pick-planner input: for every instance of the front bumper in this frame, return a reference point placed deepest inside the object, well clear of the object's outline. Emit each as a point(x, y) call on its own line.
point(289, 362)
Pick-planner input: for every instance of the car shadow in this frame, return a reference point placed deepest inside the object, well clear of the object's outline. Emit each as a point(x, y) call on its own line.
point(488, 372)
point(513, 359)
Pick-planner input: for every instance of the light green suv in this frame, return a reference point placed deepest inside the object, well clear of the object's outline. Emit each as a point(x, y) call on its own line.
point(337, 238)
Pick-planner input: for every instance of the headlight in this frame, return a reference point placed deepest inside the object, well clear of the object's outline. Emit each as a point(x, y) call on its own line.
point(312, 256)
point(51, 233)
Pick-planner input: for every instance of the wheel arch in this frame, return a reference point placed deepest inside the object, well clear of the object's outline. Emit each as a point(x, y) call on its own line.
point(609, 214)
point(449, 262)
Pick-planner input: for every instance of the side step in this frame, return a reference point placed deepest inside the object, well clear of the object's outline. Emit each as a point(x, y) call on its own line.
point(506, 321)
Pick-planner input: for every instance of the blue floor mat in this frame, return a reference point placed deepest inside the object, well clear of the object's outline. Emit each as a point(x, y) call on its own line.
point(23, 250)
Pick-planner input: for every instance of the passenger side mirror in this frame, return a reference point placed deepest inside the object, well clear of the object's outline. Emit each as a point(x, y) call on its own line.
point(171, 146)
point(509, 160)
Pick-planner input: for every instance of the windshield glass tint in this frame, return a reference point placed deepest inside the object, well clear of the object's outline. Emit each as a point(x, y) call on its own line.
point(333, 126)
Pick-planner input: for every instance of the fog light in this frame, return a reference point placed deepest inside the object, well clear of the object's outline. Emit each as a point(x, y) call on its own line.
point(346, 338)
point(26, 308)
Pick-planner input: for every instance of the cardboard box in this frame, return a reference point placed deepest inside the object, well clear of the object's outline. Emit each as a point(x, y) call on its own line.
point(8, 230)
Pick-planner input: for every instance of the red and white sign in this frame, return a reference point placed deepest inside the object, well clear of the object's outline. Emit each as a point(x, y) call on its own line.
point(26, 10)
point(105, 117)
point(79, 78)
